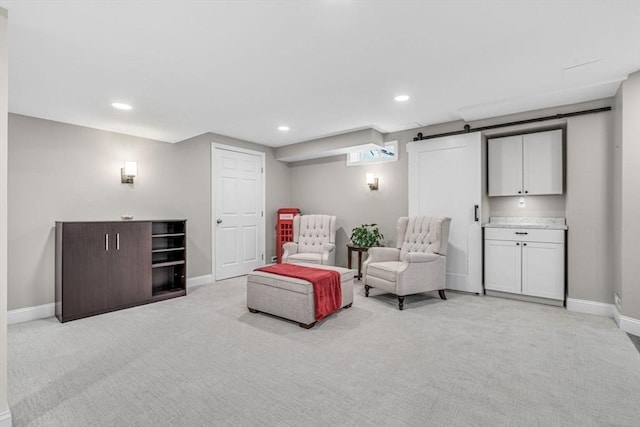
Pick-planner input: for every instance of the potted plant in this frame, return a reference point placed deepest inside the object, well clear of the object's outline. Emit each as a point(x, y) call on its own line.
point(366, 235)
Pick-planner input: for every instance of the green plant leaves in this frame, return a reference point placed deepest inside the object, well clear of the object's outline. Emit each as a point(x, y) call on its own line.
point(366, 235)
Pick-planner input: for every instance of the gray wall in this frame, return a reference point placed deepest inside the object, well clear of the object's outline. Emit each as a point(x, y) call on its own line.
point(62, 172)
point(4, 407)
point(630, 202)
point(276, 184)
point(616, 216)
point(329, 186)
point(589, 201)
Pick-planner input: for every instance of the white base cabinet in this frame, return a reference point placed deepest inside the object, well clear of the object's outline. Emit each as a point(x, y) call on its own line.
point(525, 261)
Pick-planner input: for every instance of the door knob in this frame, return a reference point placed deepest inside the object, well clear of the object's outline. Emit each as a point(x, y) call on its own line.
point(219, 221)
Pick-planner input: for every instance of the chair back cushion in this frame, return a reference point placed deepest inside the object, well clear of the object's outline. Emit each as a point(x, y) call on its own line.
point(311, 232)
point(422, 234)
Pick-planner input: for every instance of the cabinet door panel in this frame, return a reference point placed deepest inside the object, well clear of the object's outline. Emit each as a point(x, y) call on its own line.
point(505, 166)
point(130, 263)
point(542, 167)
point(502, 266)
point(85, 268)
point(543, 270)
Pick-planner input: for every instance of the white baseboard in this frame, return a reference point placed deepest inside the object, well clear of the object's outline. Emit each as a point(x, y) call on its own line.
point(590, 307)
point(27, 314)
point(627, 324)
point(44, 311)
point(192, 282)
point(5, 419)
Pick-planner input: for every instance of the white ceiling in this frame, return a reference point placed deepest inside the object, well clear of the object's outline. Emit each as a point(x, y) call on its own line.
point(241, 68)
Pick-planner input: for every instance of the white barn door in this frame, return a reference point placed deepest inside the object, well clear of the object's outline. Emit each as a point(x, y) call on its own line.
point(238, 213)
point(445, 180)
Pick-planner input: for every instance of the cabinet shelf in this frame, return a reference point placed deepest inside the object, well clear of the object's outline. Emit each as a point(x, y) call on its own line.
point(167, 264)
point(167, 235)
point(155, 251)
point(168, 293)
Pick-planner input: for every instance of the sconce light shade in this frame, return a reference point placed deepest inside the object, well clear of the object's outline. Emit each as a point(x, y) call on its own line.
point(372, 181)
point(129, 171)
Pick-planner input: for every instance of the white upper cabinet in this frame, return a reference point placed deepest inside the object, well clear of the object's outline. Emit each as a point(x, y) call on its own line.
point(529, 164)
point(505, 166)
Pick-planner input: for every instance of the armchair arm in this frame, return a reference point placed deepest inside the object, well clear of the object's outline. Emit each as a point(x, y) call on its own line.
point(328, 247)
point(290, 248)
point(377, 254)
point(328, 254)
point(421, 257)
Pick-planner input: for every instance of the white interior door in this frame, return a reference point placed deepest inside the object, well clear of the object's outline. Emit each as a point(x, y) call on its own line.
point(238, 220)
point(445, 180)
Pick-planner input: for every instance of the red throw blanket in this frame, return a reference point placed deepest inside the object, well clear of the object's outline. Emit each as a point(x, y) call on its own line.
point(327, 293)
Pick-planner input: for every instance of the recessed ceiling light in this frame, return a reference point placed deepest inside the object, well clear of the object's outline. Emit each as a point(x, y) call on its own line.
point(401, 98)
point(121, 106)
point(283, 128)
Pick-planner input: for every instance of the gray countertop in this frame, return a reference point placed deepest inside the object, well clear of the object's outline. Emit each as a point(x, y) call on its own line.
point(526, 222)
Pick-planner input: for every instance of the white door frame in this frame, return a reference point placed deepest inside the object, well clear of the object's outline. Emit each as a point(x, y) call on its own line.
point(214, 146)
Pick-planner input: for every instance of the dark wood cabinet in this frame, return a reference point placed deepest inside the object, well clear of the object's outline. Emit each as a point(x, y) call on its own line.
point(107, 266)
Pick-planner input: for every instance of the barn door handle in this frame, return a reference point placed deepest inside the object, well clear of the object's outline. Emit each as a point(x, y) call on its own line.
point(475, 213)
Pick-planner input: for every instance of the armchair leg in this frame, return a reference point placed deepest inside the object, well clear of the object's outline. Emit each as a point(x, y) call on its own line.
point(400, 302)
point(442, 295)
point(366, 290)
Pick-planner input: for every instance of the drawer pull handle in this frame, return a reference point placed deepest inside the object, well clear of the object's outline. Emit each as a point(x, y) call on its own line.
point(521, 232)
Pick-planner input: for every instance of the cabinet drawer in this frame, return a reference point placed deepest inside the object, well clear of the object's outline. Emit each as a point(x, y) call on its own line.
point(524, 235)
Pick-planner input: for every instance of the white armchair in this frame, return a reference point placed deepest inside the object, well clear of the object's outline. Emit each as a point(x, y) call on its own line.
point(417, 263)
point(314, 240)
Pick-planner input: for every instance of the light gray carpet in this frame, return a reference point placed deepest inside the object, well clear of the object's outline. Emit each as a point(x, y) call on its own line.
point(204, 360)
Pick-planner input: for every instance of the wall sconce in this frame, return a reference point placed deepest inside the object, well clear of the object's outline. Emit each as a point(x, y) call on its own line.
point(372, 181)
point(129, 171)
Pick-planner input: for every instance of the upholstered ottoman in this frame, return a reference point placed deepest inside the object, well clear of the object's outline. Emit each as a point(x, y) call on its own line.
point(292, 298)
